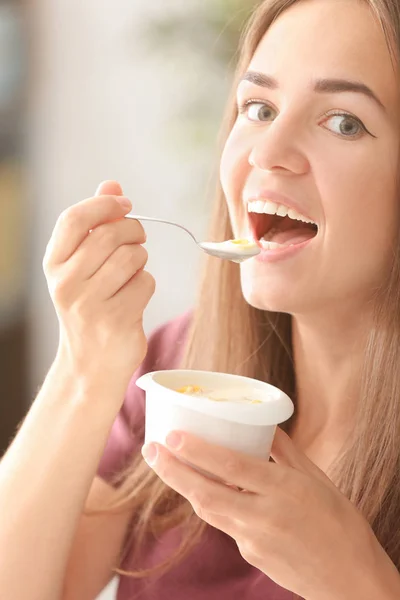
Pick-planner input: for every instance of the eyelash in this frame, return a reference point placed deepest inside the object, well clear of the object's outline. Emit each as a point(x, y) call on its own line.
point(245, 105)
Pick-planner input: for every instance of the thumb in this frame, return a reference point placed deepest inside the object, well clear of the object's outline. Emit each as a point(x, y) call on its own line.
point(109, 188)
point(285, 452)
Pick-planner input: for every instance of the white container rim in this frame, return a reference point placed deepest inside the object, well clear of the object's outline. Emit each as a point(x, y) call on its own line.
point(276, 407)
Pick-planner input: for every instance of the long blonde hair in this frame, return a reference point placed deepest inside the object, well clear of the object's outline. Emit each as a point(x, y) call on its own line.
point(256, 343)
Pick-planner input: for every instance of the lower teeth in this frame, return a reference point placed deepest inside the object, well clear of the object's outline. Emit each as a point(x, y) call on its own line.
point(266, 245)
point(271, 245)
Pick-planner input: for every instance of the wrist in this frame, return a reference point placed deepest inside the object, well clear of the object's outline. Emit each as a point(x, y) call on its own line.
point(91, 371)
point(365, 582)
point(82, 386)
point(380, 585)
point(384, 581)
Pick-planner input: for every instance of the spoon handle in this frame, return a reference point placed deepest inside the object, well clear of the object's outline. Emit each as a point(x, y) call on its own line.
point(142, 218)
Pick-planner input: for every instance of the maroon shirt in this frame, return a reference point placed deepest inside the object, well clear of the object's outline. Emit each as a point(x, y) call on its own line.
point(214, 569)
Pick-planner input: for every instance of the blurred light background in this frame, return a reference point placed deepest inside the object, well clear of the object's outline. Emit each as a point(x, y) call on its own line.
point(130, 90)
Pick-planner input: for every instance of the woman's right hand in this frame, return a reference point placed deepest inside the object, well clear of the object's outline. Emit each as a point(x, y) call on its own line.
point(94, 269)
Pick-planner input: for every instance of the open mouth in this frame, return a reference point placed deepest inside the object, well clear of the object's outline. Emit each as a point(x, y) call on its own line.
point(276, 226)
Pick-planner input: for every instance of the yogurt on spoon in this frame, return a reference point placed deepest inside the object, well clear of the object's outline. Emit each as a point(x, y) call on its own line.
point(234, 250)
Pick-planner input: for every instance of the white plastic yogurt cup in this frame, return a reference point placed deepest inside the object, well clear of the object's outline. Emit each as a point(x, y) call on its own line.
point(241, 426)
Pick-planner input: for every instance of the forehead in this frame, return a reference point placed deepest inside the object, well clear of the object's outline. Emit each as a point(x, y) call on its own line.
point(328, 38)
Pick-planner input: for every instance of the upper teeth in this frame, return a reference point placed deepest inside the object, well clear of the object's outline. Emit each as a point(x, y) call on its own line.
point(272, 208)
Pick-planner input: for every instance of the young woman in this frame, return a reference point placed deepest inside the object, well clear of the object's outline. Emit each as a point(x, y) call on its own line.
point(313, 129)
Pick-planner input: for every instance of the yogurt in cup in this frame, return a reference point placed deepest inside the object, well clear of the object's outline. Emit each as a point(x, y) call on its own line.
point(236, 412)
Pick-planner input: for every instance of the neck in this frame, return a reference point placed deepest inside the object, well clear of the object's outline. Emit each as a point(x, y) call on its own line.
point(328, 356)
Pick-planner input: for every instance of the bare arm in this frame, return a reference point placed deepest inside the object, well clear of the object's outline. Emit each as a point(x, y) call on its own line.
point(94, 267)
point(45, 478)
point(97, 547)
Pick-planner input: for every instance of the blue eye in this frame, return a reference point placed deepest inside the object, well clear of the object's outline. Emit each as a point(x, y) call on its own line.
point(256, 110)
point(346, 125)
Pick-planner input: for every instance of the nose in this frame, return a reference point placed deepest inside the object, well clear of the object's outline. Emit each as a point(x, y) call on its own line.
point(278, 148)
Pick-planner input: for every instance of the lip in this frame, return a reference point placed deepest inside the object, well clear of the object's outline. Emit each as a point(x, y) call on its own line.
point(279, 199)
point(278, 254)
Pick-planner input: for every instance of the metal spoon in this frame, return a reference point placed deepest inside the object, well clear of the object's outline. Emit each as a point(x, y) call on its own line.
point(228, 250)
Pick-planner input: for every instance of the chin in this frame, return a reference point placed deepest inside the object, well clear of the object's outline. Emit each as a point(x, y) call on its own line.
point(259, 300)
point(270, 293)
point(262, 297)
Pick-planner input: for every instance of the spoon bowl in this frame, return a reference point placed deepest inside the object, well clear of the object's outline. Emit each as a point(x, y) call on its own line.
point(230, 250)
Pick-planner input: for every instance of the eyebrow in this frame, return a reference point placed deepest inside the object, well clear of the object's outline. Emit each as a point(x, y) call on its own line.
point(321, 86)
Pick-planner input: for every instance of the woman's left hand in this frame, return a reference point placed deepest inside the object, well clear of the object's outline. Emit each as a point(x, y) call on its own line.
point(290, 522)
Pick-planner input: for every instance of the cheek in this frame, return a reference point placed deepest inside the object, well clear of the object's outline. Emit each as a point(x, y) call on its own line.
point(361, 201)
point(234, 171)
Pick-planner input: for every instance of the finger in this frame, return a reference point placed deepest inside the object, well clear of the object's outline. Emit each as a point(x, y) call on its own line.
point(136, 293)
point(75, 223)
point(244, 471)
point(109, 187)
point(102, 243)
point(207, 496)
point(285, 452)
point(114, 274)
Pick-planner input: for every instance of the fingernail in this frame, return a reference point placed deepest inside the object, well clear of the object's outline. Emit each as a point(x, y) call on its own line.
point(174, 440)
point(124, 201)
point(150, 453)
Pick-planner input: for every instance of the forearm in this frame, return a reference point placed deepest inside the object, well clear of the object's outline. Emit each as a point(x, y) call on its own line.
point(45, 478)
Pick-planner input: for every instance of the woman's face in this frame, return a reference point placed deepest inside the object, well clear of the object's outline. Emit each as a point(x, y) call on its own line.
point(330, 148)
